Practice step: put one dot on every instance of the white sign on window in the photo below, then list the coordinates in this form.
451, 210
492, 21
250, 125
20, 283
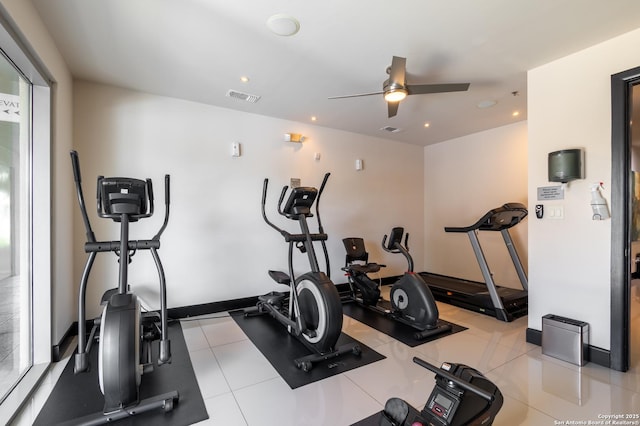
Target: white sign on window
9, 108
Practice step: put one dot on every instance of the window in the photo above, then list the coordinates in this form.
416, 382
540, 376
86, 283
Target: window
15, 226
25, 222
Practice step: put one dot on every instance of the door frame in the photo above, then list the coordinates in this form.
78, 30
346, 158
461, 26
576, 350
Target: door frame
621, 108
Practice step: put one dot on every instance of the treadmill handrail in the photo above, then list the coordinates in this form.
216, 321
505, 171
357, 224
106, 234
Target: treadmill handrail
497, 219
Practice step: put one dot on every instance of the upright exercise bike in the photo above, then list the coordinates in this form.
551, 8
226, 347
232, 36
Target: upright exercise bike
125, 333
411, 300
311, 309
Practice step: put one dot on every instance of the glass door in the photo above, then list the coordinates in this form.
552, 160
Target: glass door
15, 227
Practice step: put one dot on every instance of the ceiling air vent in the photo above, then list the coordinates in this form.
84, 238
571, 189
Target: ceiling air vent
243, 96
390, 129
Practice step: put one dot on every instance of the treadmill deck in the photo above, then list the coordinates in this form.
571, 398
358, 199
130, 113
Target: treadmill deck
474, 295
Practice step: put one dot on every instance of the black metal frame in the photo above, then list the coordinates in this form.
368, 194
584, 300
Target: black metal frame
621, 84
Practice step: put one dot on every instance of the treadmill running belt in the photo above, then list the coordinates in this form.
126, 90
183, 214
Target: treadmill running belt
474, 295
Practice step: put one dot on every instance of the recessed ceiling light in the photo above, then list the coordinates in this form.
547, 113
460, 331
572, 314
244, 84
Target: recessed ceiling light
427, 124
488, 103
515, 113
283, 25
244, 79
314, 118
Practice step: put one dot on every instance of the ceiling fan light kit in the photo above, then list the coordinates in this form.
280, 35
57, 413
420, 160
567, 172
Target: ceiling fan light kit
395, 95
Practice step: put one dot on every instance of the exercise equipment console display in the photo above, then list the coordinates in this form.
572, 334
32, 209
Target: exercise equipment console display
504, 303
125, 333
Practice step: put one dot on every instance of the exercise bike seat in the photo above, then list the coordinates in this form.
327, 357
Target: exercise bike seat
357, 253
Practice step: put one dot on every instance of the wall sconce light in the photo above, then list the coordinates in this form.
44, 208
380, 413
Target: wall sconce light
293, 137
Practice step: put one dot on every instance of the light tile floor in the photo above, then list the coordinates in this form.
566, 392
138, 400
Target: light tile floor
241, 388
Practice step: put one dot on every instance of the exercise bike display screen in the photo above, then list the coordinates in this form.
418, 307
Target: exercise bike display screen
440, 405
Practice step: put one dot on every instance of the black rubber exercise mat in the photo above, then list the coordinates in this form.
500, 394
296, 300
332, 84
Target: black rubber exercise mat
75, 396
281, 349
399, 331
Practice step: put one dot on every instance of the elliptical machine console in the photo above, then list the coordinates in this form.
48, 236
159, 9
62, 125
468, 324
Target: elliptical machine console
126, 334
462, 396
411, 300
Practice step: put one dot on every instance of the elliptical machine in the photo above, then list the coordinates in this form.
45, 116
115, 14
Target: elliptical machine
462, 396
411, 300
311, 309
125, 333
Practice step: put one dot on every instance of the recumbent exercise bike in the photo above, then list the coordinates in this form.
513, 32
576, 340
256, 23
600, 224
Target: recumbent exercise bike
311, 309
411, 300
125, 333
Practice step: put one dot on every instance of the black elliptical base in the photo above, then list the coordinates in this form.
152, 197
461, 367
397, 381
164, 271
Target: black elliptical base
306, 363
165, 401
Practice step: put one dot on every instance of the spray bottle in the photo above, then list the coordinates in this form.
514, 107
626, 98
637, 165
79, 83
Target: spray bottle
598, 203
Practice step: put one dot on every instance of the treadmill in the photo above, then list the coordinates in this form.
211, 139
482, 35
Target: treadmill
506, 304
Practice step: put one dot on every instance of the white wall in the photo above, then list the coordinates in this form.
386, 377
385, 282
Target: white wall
464, 178
569, 106
62, 281
217, 247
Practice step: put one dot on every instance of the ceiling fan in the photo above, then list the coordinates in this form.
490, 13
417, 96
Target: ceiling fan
395, 88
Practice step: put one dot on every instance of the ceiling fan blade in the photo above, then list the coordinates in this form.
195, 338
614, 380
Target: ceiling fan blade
397, 71
355, 96
421, 89
393, 108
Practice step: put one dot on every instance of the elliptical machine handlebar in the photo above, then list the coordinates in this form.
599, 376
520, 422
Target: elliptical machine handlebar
265, 185
395, 245
75, 164
324, 182
167, 202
